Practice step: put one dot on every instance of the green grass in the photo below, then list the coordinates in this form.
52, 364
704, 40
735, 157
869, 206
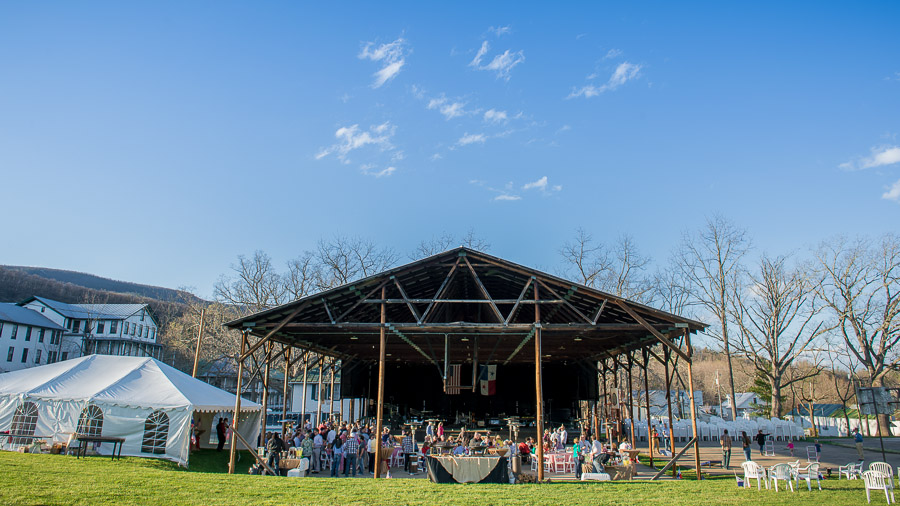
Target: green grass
53, 479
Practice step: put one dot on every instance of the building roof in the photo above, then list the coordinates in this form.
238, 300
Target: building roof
448, 305
745, 400
14, 313
825, 409
92, 311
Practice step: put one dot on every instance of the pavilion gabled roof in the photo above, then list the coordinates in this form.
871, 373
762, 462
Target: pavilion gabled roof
463, 302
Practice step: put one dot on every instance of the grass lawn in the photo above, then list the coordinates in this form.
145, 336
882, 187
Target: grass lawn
53, 479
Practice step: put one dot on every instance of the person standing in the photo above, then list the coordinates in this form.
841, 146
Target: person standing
408, 449
597, 455
318, 443
351, 453
563, 436
858, 439
429, 431
745, 443
221, 430
578, 457
275, 446
726, 449
337, 453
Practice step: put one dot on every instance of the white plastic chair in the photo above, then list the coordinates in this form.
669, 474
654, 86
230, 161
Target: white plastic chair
808, 473
875, 481
753, 470
781, 472
885, 469
851, 471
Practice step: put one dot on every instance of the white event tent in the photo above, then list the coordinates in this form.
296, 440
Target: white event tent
141, 399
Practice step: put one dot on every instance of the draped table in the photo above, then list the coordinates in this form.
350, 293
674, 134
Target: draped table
467, 469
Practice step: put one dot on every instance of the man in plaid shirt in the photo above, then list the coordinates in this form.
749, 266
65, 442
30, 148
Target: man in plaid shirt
408, 449
351, 453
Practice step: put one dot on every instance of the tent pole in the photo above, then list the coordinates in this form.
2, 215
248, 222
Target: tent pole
237, 404
539, 393
379, 409
647, 398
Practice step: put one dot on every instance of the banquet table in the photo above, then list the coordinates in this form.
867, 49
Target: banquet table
467, 469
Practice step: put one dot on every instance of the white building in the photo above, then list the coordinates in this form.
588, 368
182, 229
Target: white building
105, 329
27, 338
747, 403
343, 408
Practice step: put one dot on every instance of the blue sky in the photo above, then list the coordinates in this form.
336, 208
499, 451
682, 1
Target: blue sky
155, 142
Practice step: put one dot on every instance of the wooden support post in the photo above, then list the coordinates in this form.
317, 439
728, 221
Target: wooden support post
265, 393
237, 405
331, 394
379, 408
667, 356
604, 408
538, 384
647, 399
690, 353
199, 340
284, 394
305, 394
319, 392
631, 400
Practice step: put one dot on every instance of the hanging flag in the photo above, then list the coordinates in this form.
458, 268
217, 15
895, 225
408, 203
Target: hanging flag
452, 383
488, 379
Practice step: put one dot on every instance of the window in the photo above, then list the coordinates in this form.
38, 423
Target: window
153, 334
68, 324
37, 356
54, 337
1, 329
76, 326
142, 315
24, 355
28, 333
133, 328
51, 357
100, 327
113, 326
65, 355
9, 354
140, 331
156, 431
41, 335
15, 331
23, 423
90, 423
125, 326
42, 309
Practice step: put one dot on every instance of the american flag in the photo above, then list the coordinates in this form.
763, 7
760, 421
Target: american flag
452, 383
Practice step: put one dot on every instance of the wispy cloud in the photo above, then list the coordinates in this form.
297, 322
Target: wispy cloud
450, 109
468, 138
893, 193
352, 138
624, 72
372, 170
391, 55
612, 53
502, 64
543, 185
495, 116
882, 155
504, 196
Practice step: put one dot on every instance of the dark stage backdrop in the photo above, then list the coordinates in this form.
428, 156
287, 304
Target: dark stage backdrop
416, 386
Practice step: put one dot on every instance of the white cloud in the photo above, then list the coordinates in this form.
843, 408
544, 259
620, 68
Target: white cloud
369, 170
495, 116
883, 155
893, 192
468, 138
391, 55
352, 138
504, 196
502, 64
542, 185
448, 108
624, 72
612, 53
500, 31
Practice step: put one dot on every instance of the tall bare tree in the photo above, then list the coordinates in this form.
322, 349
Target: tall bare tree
255, 284
446, 241
710, 259
345, 259
860, 285
777, 324
620, 269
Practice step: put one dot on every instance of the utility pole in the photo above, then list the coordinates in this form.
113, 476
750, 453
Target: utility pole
199, 339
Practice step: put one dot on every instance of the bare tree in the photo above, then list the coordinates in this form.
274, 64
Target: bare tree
710, 260
446, 241
776, 320
301, 276
345, 259
841, 365
860, 285
254, 286
619, 270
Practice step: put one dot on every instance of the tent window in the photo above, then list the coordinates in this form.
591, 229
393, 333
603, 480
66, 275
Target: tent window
23, 423
90, 423
156, 431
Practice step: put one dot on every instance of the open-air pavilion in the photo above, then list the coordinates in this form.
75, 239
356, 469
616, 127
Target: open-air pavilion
466, 307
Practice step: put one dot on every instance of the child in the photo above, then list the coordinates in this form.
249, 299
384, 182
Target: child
790, 447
